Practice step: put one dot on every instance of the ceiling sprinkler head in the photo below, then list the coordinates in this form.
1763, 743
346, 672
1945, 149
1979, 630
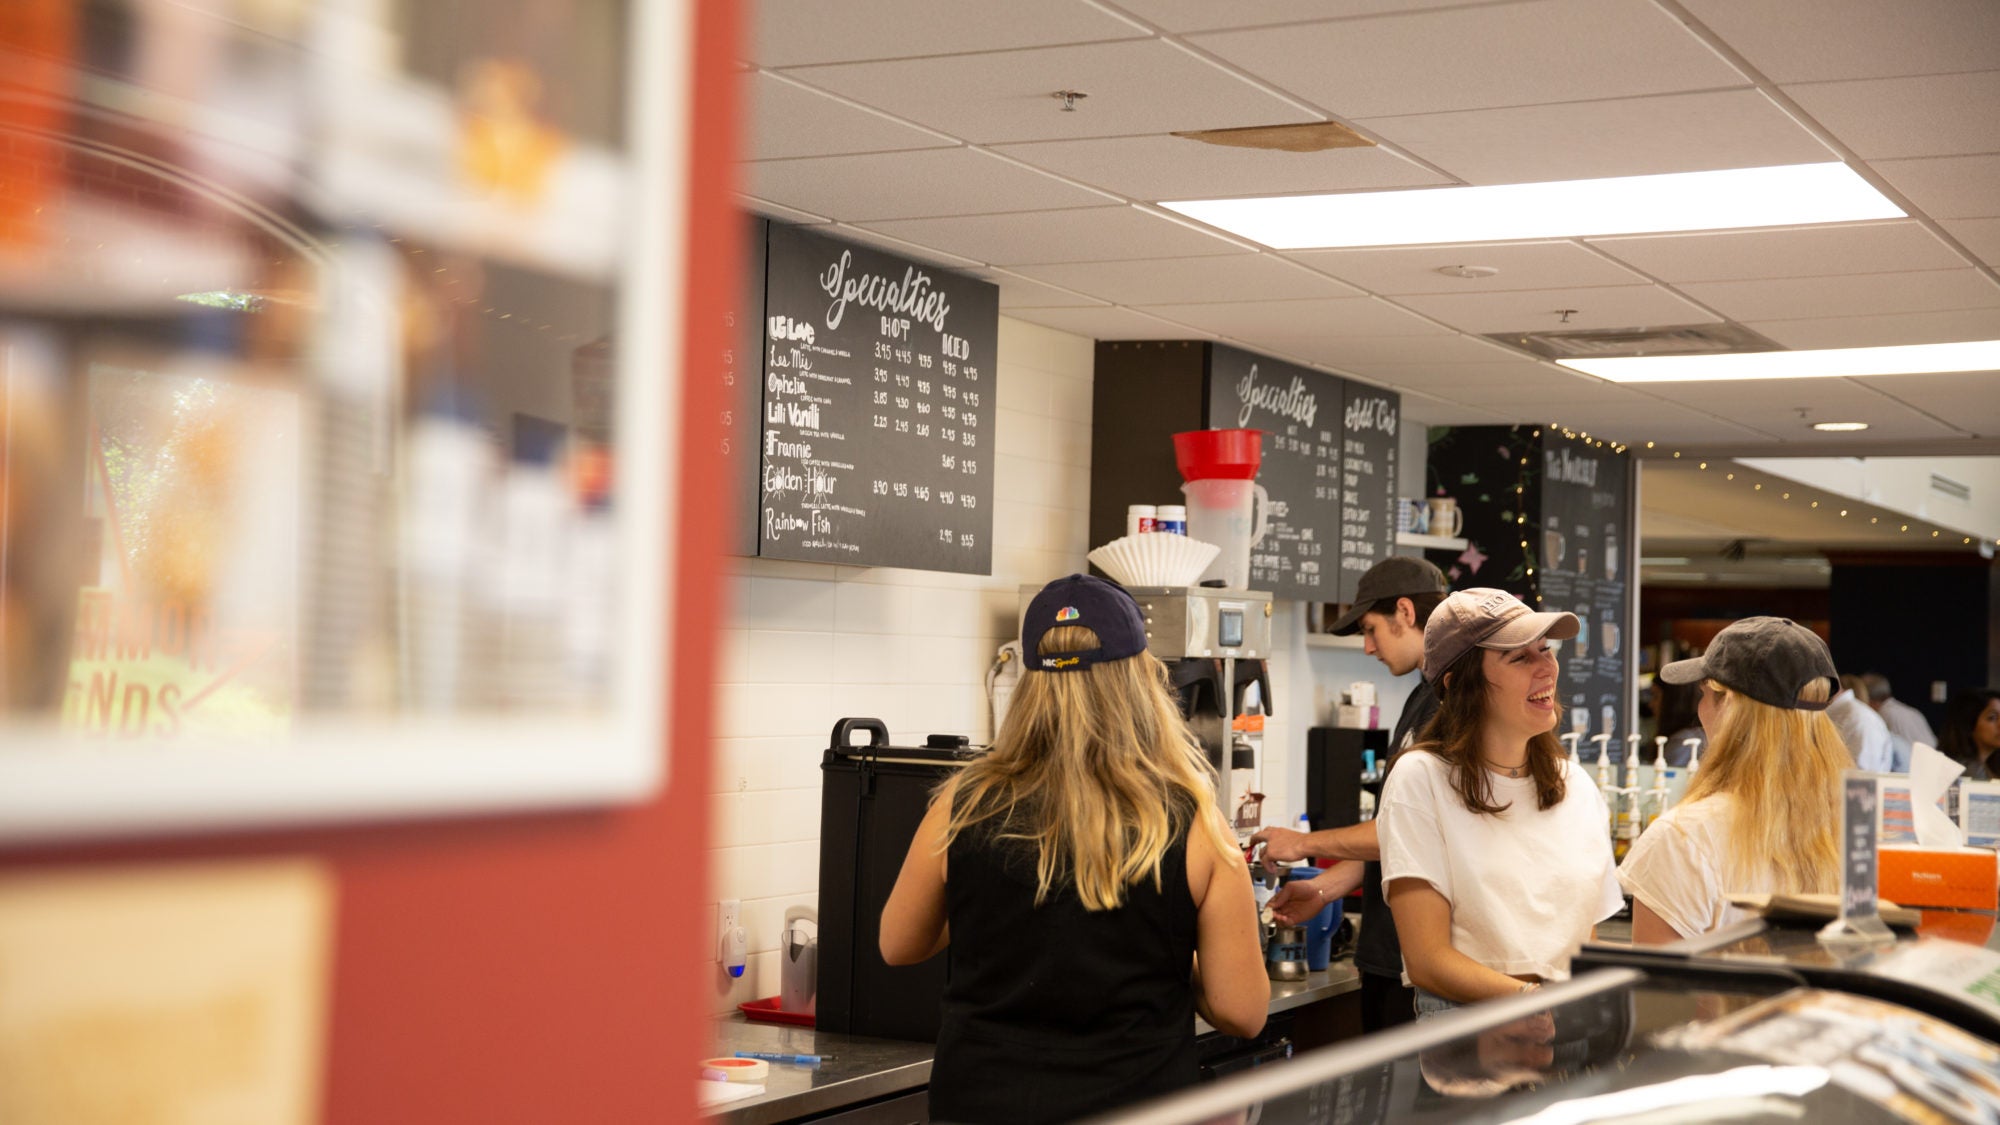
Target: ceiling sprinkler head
1473, 272
1069, 98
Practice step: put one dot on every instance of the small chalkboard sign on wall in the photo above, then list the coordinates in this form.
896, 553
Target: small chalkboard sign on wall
877, 419
1369, 418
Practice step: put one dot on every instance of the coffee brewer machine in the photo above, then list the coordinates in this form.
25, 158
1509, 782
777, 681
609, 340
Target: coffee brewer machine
1214, 643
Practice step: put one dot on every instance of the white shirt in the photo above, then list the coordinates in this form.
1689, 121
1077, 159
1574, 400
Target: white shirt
1525, 884
1866, 735
1907, 721
1677, 867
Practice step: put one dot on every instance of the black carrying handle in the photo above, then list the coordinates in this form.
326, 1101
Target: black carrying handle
878, 733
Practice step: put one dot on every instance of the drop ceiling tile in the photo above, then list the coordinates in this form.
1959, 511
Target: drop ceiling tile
772, 210
1948, 187
1826, 40
1165, 167
910, 185
1541, 310
786, 120
799, 32
1536, 390
989, 98
1493, 371
1856, 295
1093, 234
1881, 331
1425, 410
1665, 423
1161, 281
1296, 320
1886, 118
1108, 323
1619, 137
1970, 400
1523, 265
897, 246
1797, 252
1981, 236
1206, 15
1017, 292
1789, 407
1478, 58
1358, 353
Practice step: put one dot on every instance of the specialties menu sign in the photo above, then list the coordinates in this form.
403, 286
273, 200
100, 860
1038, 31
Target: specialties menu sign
1299, 411
1369, 417
1586, 537
878, 407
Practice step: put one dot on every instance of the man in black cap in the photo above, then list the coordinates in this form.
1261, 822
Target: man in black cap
1391, 606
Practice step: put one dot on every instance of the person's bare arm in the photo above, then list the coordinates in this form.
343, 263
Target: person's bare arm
1231, 988
1300, 899
914, 927
1355, 841
1648, 928
1423, 924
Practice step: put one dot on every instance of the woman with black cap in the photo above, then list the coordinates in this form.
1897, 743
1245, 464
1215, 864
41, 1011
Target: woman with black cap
1760, 815
1090, 893
1496, 851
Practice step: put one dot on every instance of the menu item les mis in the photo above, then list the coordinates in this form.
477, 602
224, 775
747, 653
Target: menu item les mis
876, 439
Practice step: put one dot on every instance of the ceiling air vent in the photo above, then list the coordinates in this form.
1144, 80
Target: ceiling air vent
1605, 343
1945, 486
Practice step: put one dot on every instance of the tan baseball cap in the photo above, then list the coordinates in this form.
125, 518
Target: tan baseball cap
1487, 618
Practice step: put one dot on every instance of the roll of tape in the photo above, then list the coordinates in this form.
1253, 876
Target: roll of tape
739, 1070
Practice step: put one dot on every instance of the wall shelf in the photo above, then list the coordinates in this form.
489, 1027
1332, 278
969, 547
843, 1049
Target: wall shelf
1429, 542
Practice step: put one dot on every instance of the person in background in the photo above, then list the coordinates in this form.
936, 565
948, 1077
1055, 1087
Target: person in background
1675, 705
1902, 718
1091, 895
1971, 733
1866, 735
1495, 849
1392, 603
1760, 815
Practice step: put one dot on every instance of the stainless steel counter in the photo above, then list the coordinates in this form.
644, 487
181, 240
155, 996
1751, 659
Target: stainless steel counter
861, 1069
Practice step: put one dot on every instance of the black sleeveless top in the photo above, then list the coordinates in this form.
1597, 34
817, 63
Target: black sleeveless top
1054, 1012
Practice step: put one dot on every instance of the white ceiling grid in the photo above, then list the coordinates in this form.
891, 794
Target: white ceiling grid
931, 127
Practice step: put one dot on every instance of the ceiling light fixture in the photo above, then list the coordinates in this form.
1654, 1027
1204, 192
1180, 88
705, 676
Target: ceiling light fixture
1787, 195
1818, 363
1839, 427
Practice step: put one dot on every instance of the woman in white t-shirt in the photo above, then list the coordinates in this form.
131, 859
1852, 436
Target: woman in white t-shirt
1761, 814
1496, 854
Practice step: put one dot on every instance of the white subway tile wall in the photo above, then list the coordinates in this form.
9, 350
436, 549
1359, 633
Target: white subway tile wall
806, 644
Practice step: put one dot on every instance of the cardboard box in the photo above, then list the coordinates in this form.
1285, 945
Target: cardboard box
1357, 718
1968, 878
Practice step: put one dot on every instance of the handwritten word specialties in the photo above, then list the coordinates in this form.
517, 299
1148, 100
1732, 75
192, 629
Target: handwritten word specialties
913, 296
1294, 402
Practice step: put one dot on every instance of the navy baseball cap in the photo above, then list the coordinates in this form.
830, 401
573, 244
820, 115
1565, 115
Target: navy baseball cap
1102, 607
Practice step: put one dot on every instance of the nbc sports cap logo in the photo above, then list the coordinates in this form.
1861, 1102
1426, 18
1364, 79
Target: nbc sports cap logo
1067, 613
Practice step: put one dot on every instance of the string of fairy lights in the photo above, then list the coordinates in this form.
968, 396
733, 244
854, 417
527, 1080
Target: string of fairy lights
1838, 508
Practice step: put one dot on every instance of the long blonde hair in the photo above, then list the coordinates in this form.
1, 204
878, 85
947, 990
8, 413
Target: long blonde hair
1097, 770
1783, 768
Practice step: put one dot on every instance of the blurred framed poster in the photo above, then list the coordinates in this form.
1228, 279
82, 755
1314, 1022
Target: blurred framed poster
332, 474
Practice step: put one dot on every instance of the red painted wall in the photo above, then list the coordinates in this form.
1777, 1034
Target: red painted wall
543, 968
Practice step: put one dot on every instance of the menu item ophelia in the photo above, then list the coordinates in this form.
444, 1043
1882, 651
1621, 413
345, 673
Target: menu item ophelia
877, 408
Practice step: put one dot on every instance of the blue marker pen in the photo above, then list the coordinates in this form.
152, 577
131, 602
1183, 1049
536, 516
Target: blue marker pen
773, 1056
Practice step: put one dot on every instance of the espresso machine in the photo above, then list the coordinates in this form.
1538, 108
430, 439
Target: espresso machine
1214, 642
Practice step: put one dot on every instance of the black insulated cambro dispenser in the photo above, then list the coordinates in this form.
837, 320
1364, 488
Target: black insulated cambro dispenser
872, 798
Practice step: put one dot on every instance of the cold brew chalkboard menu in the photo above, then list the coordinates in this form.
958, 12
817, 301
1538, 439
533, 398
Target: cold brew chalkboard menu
1299, 411
1586, 537
878, 409
1369, 417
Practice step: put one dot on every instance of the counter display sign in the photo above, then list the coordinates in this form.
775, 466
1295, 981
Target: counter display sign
1299, 411
1368, 422
877, 428
1586, 536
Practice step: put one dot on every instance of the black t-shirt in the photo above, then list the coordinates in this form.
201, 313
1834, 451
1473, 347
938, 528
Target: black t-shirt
1377, 950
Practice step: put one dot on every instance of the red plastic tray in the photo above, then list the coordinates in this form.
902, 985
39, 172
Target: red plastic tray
767, 1011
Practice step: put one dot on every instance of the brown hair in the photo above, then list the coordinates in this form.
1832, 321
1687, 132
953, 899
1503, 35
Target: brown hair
1422, 604
1453, 735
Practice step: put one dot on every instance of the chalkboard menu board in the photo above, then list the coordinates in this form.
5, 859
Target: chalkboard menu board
1586, 535
742, 376
1369, 417
1329, 466
878, 409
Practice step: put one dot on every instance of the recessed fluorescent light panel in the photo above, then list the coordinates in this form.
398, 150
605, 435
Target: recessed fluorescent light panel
1822, 363
1839, 427
1789, 195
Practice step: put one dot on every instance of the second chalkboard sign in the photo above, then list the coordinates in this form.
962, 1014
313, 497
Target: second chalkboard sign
878, 407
